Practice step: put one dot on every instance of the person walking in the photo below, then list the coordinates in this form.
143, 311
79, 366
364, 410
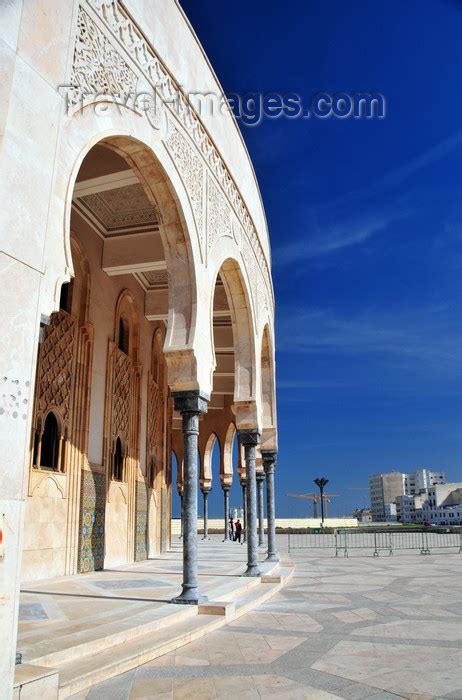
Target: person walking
237, 531
231, 529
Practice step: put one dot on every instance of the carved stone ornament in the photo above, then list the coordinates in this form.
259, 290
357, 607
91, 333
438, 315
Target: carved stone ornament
191, 169
121, 394
99, 66
56, 362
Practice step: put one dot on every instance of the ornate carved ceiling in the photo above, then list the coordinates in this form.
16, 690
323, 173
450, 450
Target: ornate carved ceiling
119, 210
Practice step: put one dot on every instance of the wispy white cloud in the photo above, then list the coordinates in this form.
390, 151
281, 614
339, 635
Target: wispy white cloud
331, 239
406, 171
427, 335
323, 239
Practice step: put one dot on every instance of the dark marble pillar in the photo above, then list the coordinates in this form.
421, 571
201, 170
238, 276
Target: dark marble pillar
180, 493
190, 404
243, 483
226, 510
260, 506
269, 465
250, 439
205, 495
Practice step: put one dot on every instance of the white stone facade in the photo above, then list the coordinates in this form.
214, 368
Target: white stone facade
155, 218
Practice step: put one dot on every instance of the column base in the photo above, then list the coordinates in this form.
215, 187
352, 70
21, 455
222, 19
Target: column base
190, 597
272, 557
252, 571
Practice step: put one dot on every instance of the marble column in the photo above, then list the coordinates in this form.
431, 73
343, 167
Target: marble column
244, 507
226, 510
269, 465
261, 515
180, 493
205, 494
250, 439
190, 404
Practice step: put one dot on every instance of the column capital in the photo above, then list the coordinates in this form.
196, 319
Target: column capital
206, 489
194, 401
260, 476
249, 436
226, 487
269, 460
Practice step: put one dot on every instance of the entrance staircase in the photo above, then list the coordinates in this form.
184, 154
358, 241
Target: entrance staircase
75, 658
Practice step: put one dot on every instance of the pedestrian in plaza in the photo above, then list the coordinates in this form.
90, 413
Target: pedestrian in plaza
237, 531
231, 529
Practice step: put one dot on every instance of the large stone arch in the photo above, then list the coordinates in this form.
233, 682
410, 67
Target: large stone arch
130, 136
243, 324
268, 393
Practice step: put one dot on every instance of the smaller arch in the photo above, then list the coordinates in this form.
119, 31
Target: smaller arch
123, 337
118, 460
127, 325
206, 462
227, 457
240, 306
49, 451
267, 381
65, 297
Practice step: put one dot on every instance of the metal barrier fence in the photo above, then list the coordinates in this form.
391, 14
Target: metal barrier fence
387, 542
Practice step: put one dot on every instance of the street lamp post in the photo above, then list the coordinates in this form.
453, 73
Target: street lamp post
321, 483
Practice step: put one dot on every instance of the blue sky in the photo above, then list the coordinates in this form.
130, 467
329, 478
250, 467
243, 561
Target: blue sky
365, 219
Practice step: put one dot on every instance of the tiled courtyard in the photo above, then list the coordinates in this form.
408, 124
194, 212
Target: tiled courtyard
361, 627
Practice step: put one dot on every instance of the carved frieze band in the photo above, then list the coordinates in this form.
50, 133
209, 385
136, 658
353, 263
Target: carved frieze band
99, 67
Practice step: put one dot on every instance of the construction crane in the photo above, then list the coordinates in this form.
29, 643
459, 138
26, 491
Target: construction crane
315, 497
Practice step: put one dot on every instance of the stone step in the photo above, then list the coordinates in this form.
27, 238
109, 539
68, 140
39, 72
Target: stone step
81, 673
35, 682
86, 641
62, 626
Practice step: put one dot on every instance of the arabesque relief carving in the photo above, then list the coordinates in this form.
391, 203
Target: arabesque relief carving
98, 67
93, 49
121, 395
56, 361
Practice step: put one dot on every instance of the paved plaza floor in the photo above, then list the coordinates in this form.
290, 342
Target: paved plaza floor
361, 627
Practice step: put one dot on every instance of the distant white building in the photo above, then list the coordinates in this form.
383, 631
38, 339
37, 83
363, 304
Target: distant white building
421, 480
440, 505
384, 489
388, 492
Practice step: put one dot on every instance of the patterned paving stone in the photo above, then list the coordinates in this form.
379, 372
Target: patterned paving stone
361, 627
